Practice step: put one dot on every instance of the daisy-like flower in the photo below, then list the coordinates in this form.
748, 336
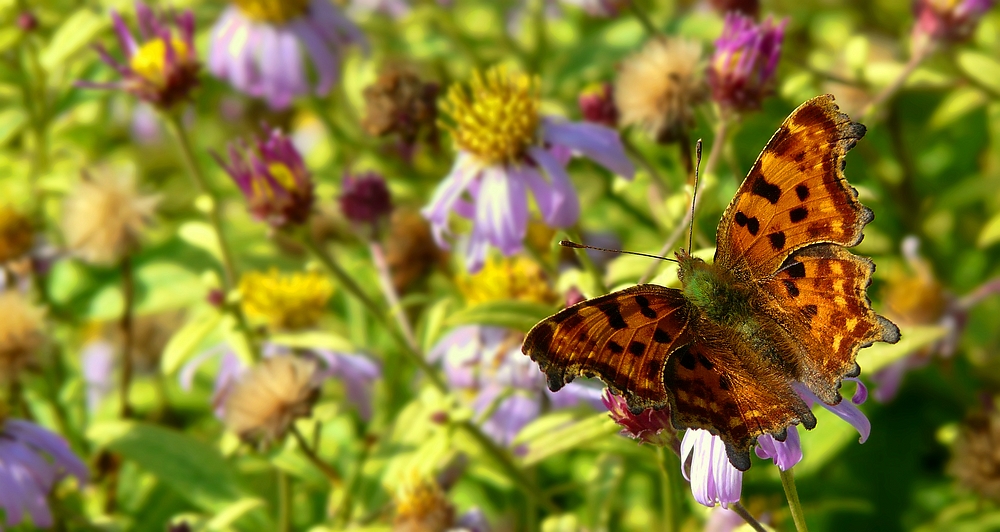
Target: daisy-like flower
161, 70
17, 234
273, 178
105, 215
286, 301
507, 148
715, 480
32, 461
22, 334
746, 57
486, 362
947, 20
658, 87
257, 46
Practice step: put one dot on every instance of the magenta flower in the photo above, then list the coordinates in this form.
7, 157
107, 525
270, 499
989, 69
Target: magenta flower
32, 461
161, 70
258, 45
506, 148
947, 20
364, 199
746, 57
597, 105
273, 178
650, 426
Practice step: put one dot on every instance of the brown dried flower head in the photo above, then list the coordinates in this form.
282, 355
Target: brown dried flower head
269, 397
104, 217
17, 234
400, 102
421, 506
410, 249
976, 455
22, 334
658, 87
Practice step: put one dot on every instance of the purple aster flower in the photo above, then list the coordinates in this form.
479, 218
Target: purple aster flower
32, 461
257, 47
947, 20
487, 362
273, 178
507, 149
714, 479
746, 57
163, 69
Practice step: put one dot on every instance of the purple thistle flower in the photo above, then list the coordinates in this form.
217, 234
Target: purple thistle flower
32, 461
163, 69
597, 105
507, 149
273, 178
365, 199
746, 57
257, 47
947, 20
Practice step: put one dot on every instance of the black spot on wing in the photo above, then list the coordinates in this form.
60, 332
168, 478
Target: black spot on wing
661, 336
793, 290
615, 347
796, 270
777, 240
613, 313
768, 191
809, 311
644, 307
637, 348
686, 358
802, 192
798, 214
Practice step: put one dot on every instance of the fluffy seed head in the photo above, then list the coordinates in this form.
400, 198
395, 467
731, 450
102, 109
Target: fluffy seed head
658, 87
104, 217
22, 334
269, 397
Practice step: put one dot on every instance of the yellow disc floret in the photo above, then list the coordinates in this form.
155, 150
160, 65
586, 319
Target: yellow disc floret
497, 118
286, 301
272, 11
16, 234
517, 278
149, 61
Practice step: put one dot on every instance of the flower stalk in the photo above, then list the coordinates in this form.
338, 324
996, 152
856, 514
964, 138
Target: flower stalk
788, 482
669, 466
389, 290
328, 471
126, 325
747, 516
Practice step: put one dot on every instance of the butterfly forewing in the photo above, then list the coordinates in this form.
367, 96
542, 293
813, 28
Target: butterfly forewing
795, 194
623, 338
820, 295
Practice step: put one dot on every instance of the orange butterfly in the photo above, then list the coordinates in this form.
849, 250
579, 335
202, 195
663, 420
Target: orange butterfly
783, 302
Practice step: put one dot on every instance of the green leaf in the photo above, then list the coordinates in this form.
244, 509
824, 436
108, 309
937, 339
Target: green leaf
11, 122
201, 235
553, 434
76, 32
983, 68
194, 469
516, 315
187, 339
955, 105
911, 339
314, 339
225, 519
990, 233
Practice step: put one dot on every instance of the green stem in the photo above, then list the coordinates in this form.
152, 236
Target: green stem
342, 515
229, 271
328, 471
788, 482
918, 57
643, 19
669, 467
588, 265
389, 290
348, 283
747, 516
128, 303
507, 463
284, 502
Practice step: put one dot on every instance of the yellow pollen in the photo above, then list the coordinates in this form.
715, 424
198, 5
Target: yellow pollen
286, 301
502, 279
273, 11
149, 61
497, 118
727, 64
282, 174
16, 234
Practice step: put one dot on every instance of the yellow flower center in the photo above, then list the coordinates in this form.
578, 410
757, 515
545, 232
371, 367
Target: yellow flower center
273, 11
286, 301
497, 119
149, 61
502, 279
16, 234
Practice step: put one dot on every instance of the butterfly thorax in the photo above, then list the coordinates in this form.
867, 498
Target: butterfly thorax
716, 293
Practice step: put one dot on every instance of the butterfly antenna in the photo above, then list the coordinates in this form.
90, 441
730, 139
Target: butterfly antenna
694, 194
574, 245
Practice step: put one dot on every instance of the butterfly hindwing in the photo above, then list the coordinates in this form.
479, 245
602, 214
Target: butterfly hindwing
820, 297
624, 338
795, 194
